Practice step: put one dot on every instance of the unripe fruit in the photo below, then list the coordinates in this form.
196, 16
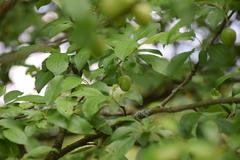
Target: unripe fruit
125, 82
142, 13
228, 37
98, 46
114, 8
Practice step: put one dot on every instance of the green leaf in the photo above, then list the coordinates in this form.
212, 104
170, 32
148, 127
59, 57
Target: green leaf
57, 26
124, 46
93, 104
57, 63
41, 3
53, 89
176, 63
32, 99
15, 135
11, 95
134, 95
65, 106
101, 125
2, 90
39, 152
57, 119
156, 51
158, 64
81, 58
42, 78
70, 83
187, 123
79, 125
117, 149
86, 92
226, 77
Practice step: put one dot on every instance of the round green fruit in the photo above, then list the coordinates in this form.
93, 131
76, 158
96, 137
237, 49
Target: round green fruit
125, 82
142, 13
114, 8
98, 46
228, 37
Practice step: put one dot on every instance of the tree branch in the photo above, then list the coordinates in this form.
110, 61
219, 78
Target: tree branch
194, 70
57, 145
5, 7
146, 113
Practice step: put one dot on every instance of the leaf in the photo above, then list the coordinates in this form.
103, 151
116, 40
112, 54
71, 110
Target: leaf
53, 89
86, 92
39, 152
176, 63
11, 95
93, 104
81, 58
57, 26
2, 89
65, 106
134, 95
42, 78
32, 99
187, 122
41, 3
70, 83
124, 46
57, 63
225, 77
79, 125
156, 51
57, 119
101, 125
117, 149
15, 135
158, 64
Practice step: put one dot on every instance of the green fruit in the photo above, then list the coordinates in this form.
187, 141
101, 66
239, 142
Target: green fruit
114, 8
125, 82
98, 46
142, 13
228, 37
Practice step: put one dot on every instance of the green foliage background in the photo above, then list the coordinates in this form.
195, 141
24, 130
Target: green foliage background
183, 108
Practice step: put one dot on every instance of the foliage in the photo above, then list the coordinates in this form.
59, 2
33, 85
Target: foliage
114, 92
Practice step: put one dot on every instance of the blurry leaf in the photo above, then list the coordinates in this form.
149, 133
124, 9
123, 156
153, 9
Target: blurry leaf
57, 26
93, 104
79, 125
158, 64
156, 51
134, 95
15, 135
70, 82
65, 106
176, 63
101, 125
42, 78
57, 119
187, 123
2, 90
32, 98
81, 58
57, 63
53, 89
41, 3
124, 46
225, 77
39, 152
11, 95
117, 149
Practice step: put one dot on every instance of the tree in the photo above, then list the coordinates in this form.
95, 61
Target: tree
113, 91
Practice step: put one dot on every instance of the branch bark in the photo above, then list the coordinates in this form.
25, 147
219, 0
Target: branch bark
146, 113
5, 7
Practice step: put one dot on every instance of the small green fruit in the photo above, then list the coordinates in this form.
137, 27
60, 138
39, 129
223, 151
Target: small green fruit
228, 37
142, 13
114, 8
98, 46
125, 82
